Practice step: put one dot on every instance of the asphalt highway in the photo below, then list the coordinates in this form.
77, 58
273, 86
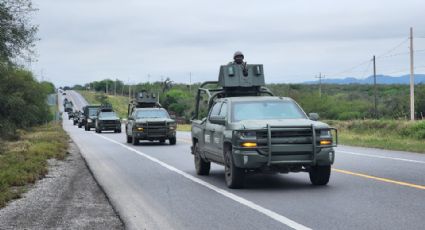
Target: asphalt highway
154, 186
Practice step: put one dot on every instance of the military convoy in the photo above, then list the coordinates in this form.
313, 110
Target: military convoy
249, 130
147, 120
237, 123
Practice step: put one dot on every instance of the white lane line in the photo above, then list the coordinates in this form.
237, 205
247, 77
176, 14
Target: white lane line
284, 220
382, 157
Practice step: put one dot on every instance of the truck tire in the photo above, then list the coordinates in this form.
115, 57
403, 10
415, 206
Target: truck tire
134, 140
86, 127
79, 125
319, 175
173, 141
234, 176
202, 167
129, 139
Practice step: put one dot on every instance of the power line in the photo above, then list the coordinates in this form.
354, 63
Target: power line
351, 68
393, 49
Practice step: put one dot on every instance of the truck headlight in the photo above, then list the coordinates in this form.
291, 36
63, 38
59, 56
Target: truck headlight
247, 134
325, 133
140, 129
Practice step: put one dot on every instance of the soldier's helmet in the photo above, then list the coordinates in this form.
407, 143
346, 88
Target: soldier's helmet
238, 57
238, 54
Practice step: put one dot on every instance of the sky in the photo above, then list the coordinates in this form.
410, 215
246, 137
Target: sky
139, 41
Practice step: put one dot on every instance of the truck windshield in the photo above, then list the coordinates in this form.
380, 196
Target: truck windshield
265, 110
107, 115
151, 114
92, 112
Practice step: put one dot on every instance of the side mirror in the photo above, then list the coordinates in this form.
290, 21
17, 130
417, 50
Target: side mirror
219, 120
173, 117
313, 116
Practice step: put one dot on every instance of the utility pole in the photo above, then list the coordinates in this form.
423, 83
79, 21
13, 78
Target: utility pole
106, 87
374, 88
149, 77
115, 87
320, 83
412, 79
190, 82
129, 91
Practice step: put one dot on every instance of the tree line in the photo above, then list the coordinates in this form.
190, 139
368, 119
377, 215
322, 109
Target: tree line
337, 102
22, 98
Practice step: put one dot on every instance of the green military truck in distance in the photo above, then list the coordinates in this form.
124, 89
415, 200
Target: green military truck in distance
248, 130
107, 120
147, 120
89, 116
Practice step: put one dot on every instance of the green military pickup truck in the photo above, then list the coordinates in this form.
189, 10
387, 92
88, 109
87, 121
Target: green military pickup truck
147, 120
248, 130
107, 120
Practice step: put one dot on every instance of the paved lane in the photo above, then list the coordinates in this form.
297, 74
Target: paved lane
148, 194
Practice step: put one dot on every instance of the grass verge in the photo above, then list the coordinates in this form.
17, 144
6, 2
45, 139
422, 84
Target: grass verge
184, 127
384, 134
119, 103
24, 161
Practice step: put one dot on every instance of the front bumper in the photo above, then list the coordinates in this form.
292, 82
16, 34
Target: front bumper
251, 159
146, 135
107, 127
274, 152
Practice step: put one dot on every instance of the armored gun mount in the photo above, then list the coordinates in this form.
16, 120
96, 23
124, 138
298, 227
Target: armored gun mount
234, 80
143, 100
105, 108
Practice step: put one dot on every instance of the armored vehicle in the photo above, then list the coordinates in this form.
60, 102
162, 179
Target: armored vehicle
107, 119
147, 120
75, 117
89, 116
249, 130
68, 106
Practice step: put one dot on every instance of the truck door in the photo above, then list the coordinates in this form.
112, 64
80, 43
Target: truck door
131, 121
210, 129
218, 134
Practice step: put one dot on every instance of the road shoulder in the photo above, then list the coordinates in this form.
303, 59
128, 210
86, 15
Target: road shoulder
68, 198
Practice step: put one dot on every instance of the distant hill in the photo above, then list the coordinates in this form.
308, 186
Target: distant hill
380, 79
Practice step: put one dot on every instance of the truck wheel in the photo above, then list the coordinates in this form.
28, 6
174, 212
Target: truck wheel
134, 140
86, 128
173, 141
319, 175
233, 175
79, 125
129, 139
202, 167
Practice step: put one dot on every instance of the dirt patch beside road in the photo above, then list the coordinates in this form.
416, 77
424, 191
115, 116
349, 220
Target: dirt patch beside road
68, 198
